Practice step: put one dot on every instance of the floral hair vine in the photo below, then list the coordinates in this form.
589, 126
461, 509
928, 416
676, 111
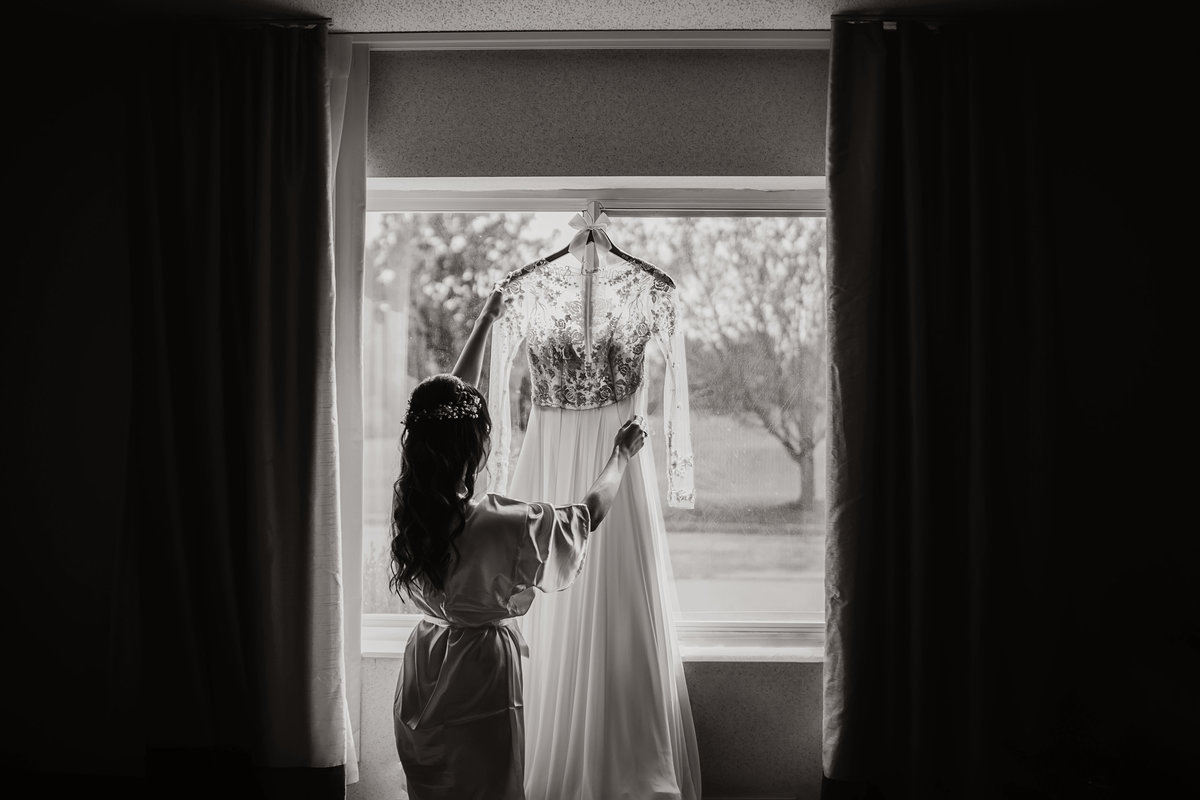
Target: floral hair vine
466, 405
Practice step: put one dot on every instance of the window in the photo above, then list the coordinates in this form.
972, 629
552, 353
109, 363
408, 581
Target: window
752, 300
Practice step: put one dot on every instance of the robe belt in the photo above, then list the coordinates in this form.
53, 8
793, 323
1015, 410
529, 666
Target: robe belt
508, 622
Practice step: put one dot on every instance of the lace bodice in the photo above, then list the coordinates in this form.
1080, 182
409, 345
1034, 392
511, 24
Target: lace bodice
631, 304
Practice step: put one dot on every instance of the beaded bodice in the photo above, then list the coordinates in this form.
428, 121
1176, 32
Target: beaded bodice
632, 304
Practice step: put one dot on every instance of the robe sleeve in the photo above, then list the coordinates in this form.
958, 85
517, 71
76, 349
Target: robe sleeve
507, 335
677, 423
551, 552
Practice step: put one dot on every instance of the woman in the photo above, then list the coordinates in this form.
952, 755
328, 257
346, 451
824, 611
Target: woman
472, 567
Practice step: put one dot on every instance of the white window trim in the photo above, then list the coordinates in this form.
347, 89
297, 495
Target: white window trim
729, 637
721, 195
596, 40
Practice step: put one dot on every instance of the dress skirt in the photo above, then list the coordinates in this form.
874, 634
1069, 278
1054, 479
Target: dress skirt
607, 715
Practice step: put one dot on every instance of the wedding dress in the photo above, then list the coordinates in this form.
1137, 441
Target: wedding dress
606, 704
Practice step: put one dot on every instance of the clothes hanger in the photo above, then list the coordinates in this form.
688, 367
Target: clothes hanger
589, 223
593, 211
591, 239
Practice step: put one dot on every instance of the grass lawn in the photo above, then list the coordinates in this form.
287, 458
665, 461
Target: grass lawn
745, 481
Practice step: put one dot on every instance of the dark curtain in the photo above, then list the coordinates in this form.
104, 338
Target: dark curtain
170, 274
232, 298
71, 666
1010, 604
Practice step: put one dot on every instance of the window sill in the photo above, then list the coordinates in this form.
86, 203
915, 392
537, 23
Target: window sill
733, 639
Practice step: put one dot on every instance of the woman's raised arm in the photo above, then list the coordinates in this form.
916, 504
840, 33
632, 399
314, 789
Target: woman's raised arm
470, 360
627, 443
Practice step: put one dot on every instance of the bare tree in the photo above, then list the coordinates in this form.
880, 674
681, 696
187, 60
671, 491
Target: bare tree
753, 298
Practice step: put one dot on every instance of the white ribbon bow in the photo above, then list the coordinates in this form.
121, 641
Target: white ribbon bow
600, 243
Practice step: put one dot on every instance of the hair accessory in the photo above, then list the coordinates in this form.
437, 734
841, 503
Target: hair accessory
466, 405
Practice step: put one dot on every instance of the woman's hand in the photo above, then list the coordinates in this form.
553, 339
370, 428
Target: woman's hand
626, 444
630, 437
495, 306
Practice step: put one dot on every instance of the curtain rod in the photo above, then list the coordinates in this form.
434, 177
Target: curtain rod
167, 17
298, 22
977, 13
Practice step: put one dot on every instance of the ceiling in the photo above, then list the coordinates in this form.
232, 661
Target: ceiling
379, 16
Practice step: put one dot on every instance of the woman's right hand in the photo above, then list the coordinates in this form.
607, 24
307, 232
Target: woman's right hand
495, 305
630, 437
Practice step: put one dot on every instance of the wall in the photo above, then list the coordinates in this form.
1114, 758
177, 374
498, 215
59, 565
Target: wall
758, 728
597, 112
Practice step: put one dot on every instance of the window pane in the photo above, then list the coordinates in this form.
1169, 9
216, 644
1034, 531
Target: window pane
752, 301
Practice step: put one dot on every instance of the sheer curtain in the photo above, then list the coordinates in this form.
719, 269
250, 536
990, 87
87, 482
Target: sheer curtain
348, 89
1001, 247
235, 463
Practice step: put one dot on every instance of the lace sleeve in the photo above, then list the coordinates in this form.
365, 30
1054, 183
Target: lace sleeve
677, 424
507, 333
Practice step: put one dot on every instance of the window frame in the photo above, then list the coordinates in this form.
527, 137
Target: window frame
750, 636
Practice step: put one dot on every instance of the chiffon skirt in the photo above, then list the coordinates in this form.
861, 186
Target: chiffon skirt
607, 715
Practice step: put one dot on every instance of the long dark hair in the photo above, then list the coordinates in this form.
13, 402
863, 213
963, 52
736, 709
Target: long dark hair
447, 432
